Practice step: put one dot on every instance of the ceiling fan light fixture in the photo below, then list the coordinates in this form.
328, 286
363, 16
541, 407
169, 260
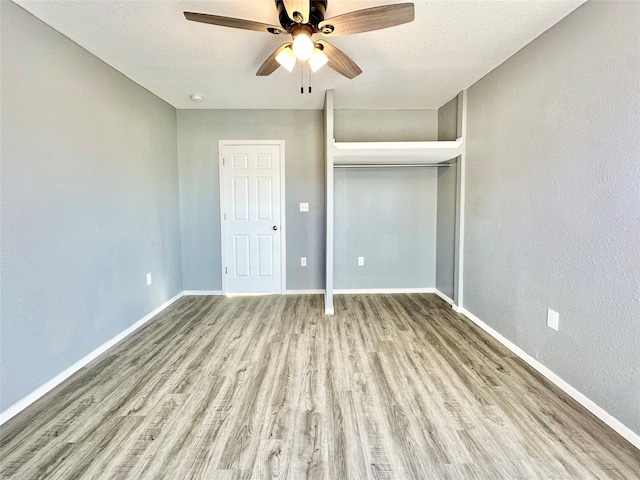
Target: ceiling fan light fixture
302, 45
317, 59
286, 58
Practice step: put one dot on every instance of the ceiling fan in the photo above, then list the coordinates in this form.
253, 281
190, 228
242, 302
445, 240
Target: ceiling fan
304, 18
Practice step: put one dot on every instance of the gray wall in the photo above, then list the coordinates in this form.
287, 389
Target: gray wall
385, 125
448, 120
446, 218
89, 203
553, 202
446, 229
386, 215
198, 135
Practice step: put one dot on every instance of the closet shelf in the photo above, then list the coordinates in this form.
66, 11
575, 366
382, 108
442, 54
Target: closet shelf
395, 152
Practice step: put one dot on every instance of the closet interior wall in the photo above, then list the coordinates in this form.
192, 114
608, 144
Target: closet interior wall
387, 216
382, 223
449, 128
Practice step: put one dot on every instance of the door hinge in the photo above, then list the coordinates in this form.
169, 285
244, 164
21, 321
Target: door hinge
225, 216
225, 270
223, 161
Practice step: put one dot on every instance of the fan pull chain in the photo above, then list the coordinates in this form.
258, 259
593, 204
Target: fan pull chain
302, 77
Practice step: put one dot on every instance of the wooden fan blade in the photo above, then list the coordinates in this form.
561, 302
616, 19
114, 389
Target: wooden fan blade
270, 65
339, 61
232, 22
297, 6
369, 19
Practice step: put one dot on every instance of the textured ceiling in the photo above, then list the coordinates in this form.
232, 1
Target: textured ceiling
423, 64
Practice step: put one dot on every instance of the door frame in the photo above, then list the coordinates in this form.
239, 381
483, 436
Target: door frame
222, 144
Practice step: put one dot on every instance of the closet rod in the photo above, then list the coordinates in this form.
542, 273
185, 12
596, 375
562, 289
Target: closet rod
389, 165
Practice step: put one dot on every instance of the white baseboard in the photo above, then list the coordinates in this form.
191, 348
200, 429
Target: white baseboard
20, 405
311, 291
201, 292
356, 291
445, 298
582, 399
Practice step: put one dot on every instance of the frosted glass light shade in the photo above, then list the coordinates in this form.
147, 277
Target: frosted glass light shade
286, 58
303, 45
317, 59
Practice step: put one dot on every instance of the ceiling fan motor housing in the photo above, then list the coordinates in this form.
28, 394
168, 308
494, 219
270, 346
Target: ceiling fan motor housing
317, 11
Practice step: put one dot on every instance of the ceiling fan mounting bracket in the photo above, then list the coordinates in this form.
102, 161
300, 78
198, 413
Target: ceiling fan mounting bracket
317, 9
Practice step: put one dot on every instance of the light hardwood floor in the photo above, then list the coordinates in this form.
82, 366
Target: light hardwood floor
392, 386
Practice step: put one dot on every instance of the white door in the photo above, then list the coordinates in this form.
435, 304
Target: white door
251, 216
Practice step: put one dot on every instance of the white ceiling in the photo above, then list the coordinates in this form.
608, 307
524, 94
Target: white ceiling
449, 46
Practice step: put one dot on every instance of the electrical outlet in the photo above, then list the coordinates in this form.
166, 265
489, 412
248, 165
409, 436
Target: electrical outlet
304, 207
553, 319
303, 261
148, 279
360, 261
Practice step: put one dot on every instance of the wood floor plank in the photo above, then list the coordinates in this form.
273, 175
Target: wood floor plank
372, 436
309, 447
391, 386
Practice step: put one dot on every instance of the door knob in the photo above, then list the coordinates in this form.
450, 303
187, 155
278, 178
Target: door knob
275, 227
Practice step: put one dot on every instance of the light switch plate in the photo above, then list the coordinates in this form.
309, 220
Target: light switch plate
148, 279
360, 261
303, 261
553, 319
304, 207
